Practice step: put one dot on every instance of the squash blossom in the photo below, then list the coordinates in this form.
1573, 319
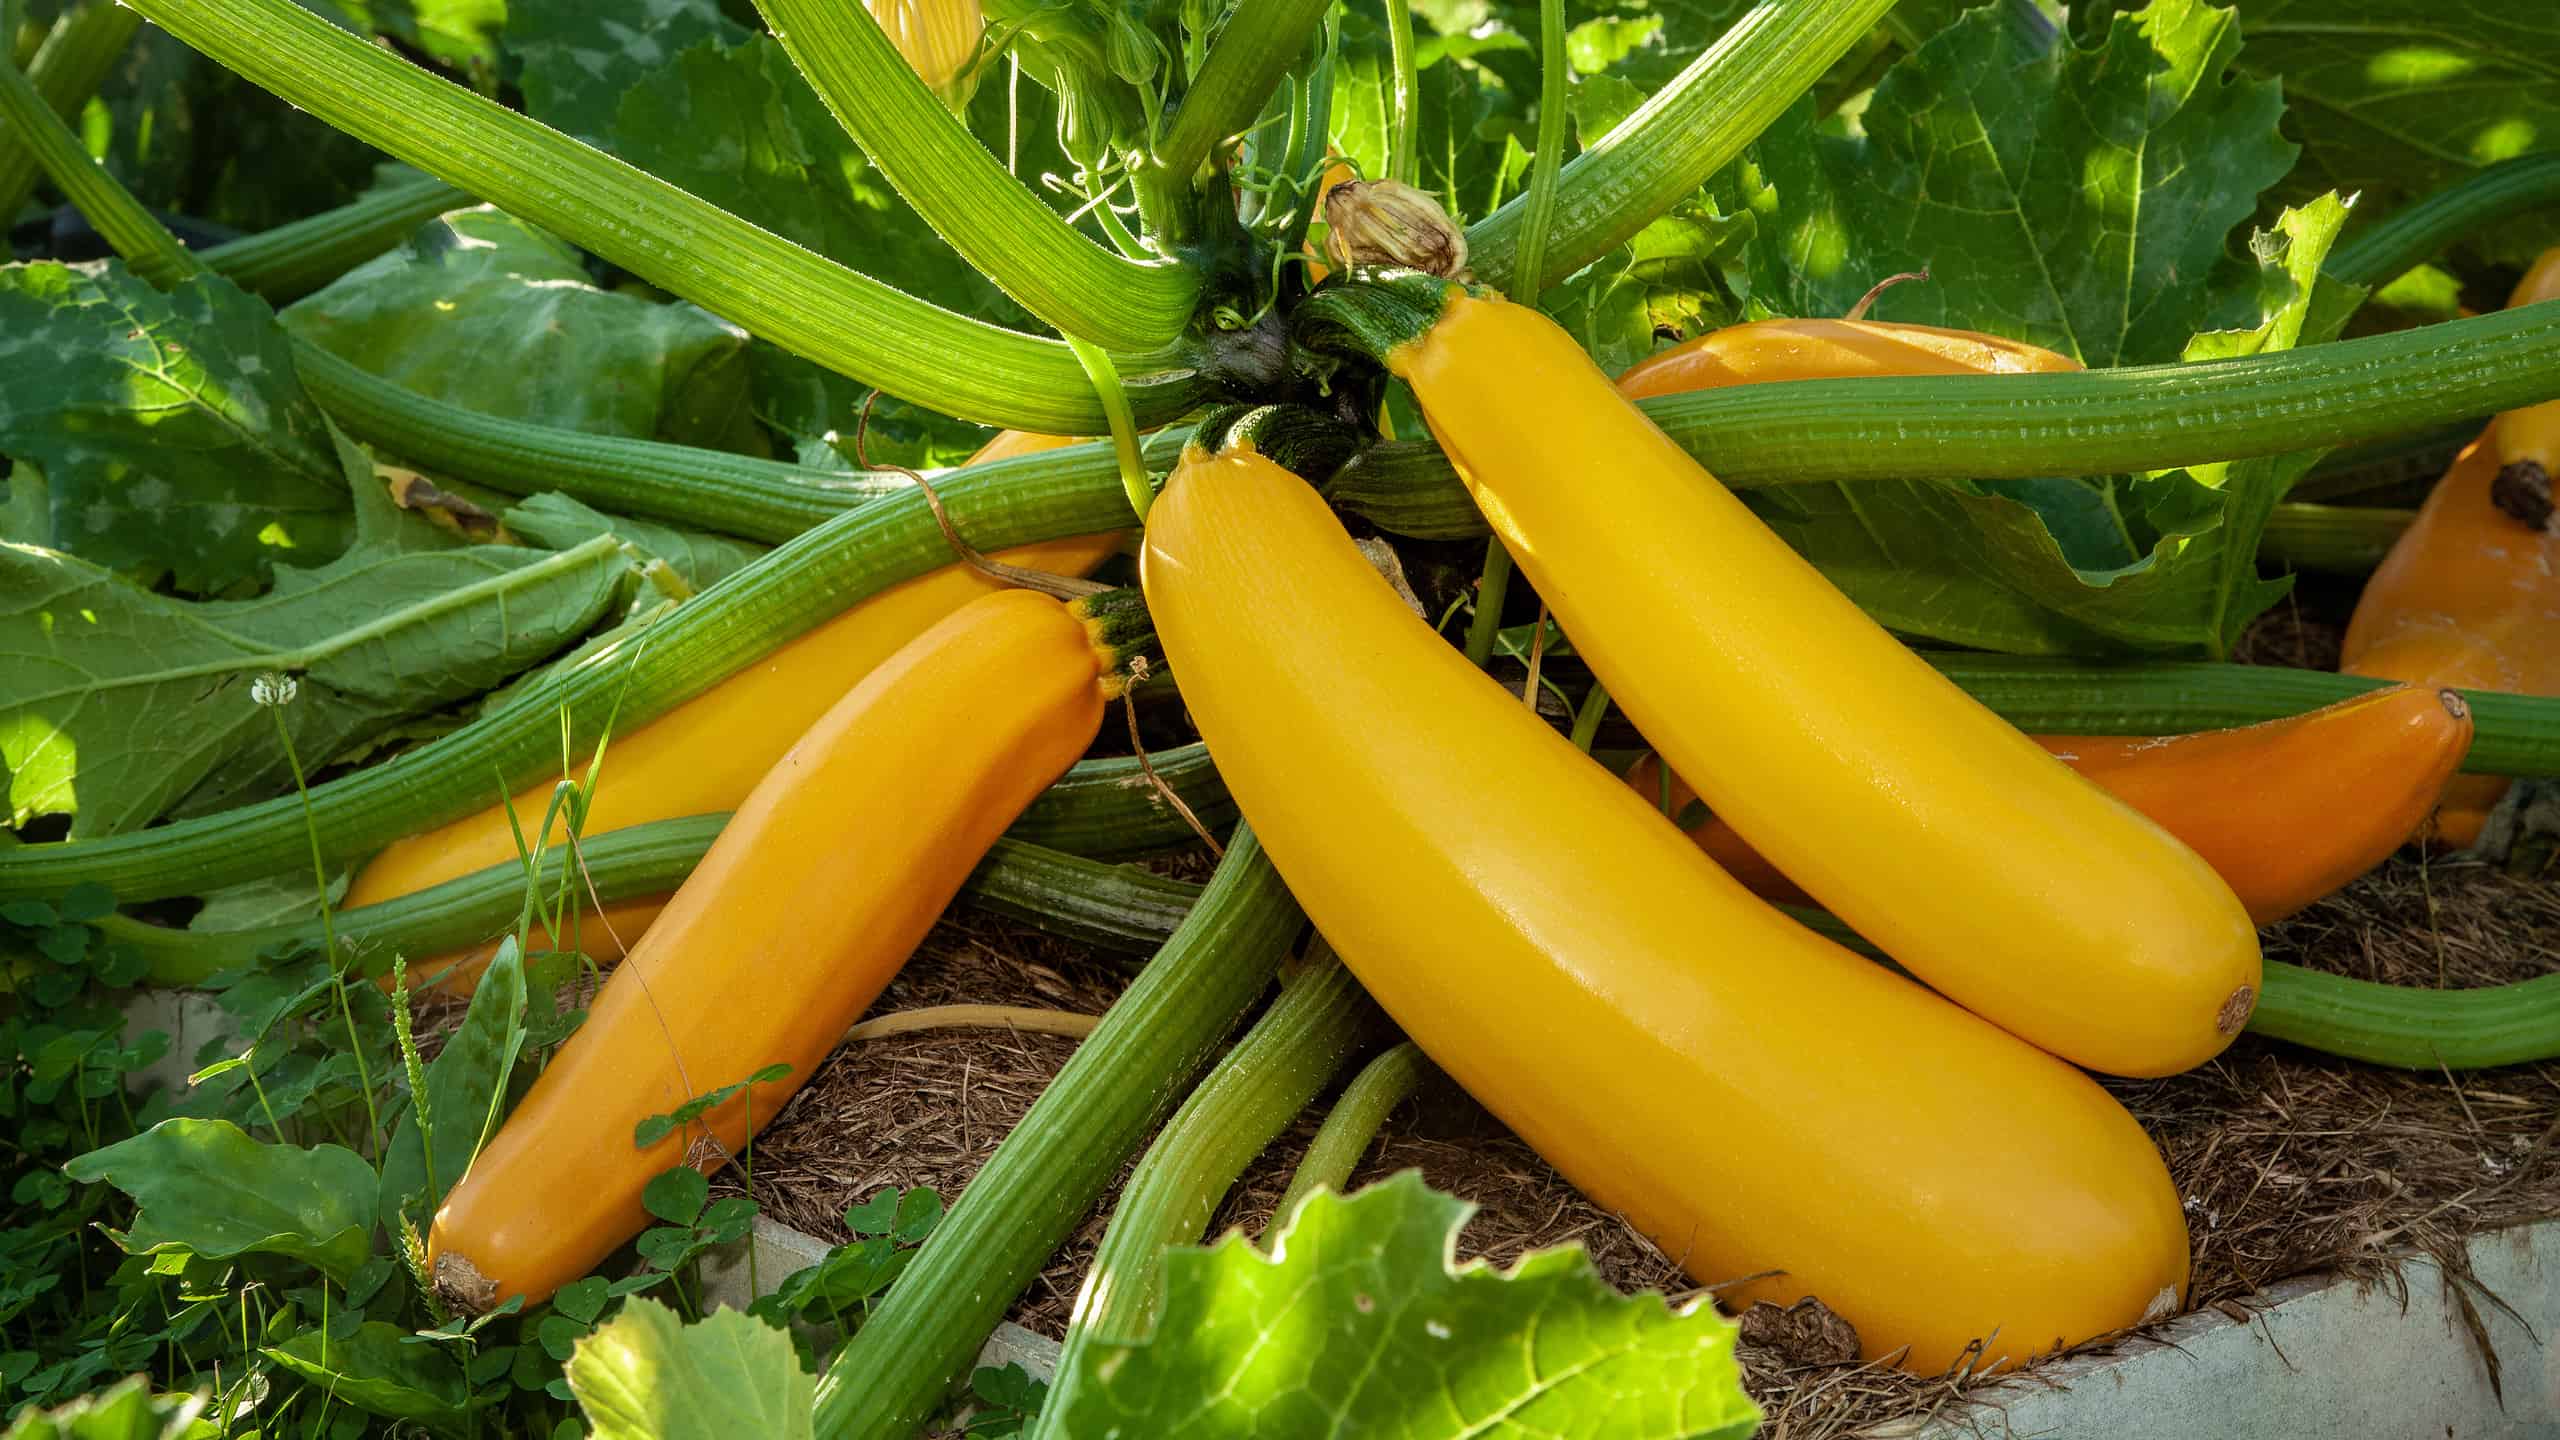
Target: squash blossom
939, 38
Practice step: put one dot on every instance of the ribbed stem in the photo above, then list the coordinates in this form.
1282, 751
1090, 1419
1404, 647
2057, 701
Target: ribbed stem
1273, 1073
1107, 808
1261, 40
1111, 907
2100, 422
2330, 539
814, 576
1404, 110
2418, 457
67, 69
801, 301
293, 260
146, 244
1529, 273
1689, 130
996, 224
1029, 1196
1386, 1082
2511, 734
2417, 232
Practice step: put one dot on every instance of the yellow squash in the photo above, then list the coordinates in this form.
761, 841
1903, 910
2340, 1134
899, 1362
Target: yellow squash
1949, 839
1749, 1094
833, 868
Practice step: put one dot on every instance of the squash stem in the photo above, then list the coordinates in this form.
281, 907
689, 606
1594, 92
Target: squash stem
2330, 539
1685, 133
892, 1375
1271, 1075
294, 259
1528, 267
961, 189
1404, 113
1387, 1081
2418, 231
1261, 41
83, 45
1124, 430
1493, 587
794, 297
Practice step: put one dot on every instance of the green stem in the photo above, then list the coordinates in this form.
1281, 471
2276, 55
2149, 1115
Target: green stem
1124, 429
1588, 715
329, 952
67, 69
1261, 41
799, 300
1689, 130
894, 1373
997, 225
2415, 458
1271, 1075
808, 579
2330, 539
1493, 587
146, 244
293, 260
1528, 266
2405, 1026
2418, 231
2099, 422
1404, 113
1386, 1082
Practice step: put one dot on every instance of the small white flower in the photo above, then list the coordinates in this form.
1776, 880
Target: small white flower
274, 688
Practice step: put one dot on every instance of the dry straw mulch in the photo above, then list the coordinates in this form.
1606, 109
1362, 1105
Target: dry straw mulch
2290, 1162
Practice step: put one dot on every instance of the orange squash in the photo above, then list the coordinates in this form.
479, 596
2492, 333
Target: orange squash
834, 866
2286, 812
1766, 350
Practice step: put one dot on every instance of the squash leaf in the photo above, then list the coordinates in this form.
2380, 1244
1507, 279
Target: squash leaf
168, 435
482, 310
646, 1375
119, 706
1358, 1324
377, 1371
204, 1188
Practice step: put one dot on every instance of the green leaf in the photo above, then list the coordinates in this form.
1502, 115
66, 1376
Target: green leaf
1358, 1324
484, 311
126, 1410
119, 706
461, 33
2395, 99
171, 435
256, 904
373, 1371
579, 59
2079, 198
676, 1196
554, 520
466, 1085
648, 1376
207, 1189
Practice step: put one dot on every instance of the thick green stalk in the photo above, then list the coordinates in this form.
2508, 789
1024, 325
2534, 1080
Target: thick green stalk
1528, 267
996, 224
2420, 456
1105, 808
1386, 1082
2099, 422
2399, 1025
2330, 539
1690, 129
1404, 110
1261, 40
1113, 907
891, 1377
800, 300
1272, 1074
814, 576
67, 69
293, 260
146, 244
2420, 230
2511, 734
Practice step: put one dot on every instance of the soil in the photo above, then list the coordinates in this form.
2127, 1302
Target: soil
2289, 1161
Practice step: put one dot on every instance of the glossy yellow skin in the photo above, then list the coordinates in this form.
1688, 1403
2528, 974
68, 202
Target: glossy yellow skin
2533, 433
705, 755
1829, 350
1978, 861
1010, 443
804, 908
1746, 1092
